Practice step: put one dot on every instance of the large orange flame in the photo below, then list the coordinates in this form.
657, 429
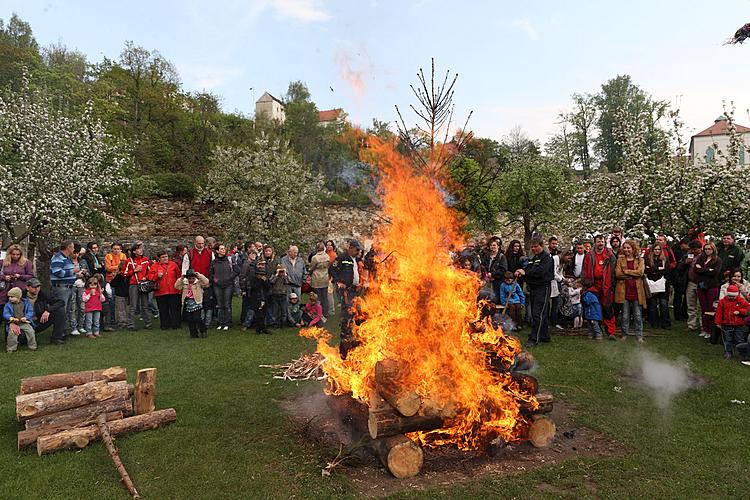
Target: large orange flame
422, 311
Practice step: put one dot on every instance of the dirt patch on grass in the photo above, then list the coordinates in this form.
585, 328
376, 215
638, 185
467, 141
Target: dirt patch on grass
315, 425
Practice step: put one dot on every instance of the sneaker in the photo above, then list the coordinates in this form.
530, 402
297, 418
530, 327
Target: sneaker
727, 355
82, 331
746, 362
559, 327
219, 327
75, 332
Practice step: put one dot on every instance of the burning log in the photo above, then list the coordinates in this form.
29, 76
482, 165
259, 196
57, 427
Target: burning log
62, 380
542, 431
29, 437
145, 391
546, 403
350, 411
399, 455
384, 421
403, 399
56, 400
81, 437
103, 428
526, 383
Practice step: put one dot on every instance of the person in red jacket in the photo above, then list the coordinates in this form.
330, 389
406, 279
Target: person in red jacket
599, 267
729, 317
136, 271
164, 272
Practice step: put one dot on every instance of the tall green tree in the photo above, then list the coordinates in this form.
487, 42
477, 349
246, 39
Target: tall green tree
19, 52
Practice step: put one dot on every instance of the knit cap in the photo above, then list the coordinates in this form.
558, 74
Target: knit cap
732, 291
15, 292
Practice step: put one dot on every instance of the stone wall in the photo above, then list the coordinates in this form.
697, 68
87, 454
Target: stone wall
164, 223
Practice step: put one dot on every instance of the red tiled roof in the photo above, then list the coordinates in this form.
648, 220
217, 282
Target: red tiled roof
329, 115
720, 128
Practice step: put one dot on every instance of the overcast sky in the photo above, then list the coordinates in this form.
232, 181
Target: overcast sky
518, 62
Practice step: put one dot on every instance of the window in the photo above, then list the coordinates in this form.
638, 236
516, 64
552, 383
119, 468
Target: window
742, 155
709, 155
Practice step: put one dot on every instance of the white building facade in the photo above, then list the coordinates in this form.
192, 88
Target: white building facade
271, 107
705, 145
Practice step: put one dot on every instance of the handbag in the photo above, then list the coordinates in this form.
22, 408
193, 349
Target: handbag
147, 286
658, 286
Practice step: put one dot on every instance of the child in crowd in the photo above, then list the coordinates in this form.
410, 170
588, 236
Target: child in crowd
93, 298
313, 312
192, 285
279, 282
592, 309
18, 313
511, 293
574, 294
294, 311
729, 317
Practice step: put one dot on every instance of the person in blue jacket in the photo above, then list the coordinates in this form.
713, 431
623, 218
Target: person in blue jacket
592, 309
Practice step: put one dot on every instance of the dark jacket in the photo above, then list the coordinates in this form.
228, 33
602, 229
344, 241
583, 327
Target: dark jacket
259, 289
540, 269
342, 269
659, 269
222, 272
731, 257
495, 268
92, 261
708, 275
45, 302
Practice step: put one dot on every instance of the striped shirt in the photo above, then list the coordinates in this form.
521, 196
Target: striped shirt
61, 270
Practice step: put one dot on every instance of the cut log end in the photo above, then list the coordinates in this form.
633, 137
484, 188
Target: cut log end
542, 432
400, 456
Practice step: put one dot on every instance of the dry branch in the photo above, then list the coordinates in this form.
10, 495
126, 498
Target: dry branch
113, 453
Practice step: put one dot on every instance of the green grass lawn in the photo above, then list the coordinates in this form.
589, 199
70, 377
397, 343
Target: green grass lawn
231, 439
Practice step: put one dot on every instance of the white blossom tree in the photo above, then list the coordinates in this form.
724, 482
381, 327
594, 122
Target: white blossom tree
267, 191
661, 189
58, 174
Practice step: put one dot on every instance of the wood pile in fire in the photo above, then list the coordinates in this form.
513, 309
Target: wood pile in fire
394, 412
70, 410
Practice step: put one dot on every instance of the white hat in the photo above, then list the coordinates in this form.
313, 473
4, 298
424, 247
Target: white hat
293, 296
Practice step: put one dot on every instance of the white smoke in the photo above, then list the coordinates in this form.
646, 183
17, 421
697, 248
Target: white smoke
663, 378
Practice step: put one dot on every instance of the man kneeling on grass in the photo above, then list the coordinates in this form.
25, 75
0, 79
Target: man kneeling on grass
18, 313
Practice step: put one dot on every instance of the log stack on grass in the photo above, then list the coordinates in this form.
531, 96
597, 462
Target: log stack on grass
70, 410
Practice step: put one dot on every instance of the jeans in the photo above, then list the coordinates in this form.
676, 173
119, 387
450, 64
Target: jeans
658, 311
707, 297
77, 310
693, 314
64, 293
733, 335
322, 294
631, 307
554, 308
224, 304
277, 310
138, 300
595, 331
92, 322
122, 312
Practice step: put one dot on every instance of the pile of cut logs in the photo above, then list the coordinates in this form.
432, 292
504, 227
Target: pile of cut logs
70, 410
395, 411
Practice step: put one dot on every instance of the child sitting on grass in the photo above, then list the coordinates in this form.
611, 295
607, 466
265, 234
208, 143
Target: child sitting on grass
294, 311
592, 309
729, 317
313, 312
18, 313
511, 293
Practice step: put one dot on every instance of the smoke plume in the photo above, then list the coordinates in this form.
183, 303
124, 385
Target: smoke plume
663, 378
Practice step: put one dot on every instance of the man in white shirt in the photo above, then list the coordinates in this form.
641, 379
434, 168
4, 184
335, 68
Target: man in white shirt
578, 260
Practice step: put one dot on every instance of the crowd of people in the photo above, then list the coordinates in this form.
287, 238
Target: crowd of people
612, 280
599, 283
124, 289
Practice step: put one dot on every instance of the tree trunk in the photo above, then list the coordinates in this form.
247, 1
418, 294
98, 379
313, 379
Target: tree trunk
43, 258
115, 455
542, 431
60, 380
387, 375
399, 455
28, 437
45, 403
76, 415
385, 421
80, 438
145, 391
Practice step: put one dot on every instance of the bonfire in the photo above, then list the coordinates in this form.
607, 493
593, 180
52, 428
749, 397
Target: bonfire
428, 357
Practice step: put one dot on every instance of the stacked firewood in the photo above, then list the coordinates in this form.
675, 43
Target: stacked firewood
396, 411
71, 410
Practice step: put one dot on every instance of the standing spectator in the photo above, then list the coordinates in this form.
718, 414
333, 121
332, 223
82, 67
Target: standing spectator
538, 273
555, 290
279, 293
512, 295
552, 244
345, 273
599, 267
247, 272
136, 271
77, 307
296, 272
165, 272
517, 259
258, 293
93, 298
691, 290
198, 258
494, 266
49, 311
192, 285
658, 274
15, 271
221, 276
331, 250
736, 279
619, 235
730, 314
578, 260
630, 290
320, 279
114, 264
258, 247
614, 245
707, 268
731, 255
93, 259
178, 257
592, 310
678, 280
63, 276
332, 291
